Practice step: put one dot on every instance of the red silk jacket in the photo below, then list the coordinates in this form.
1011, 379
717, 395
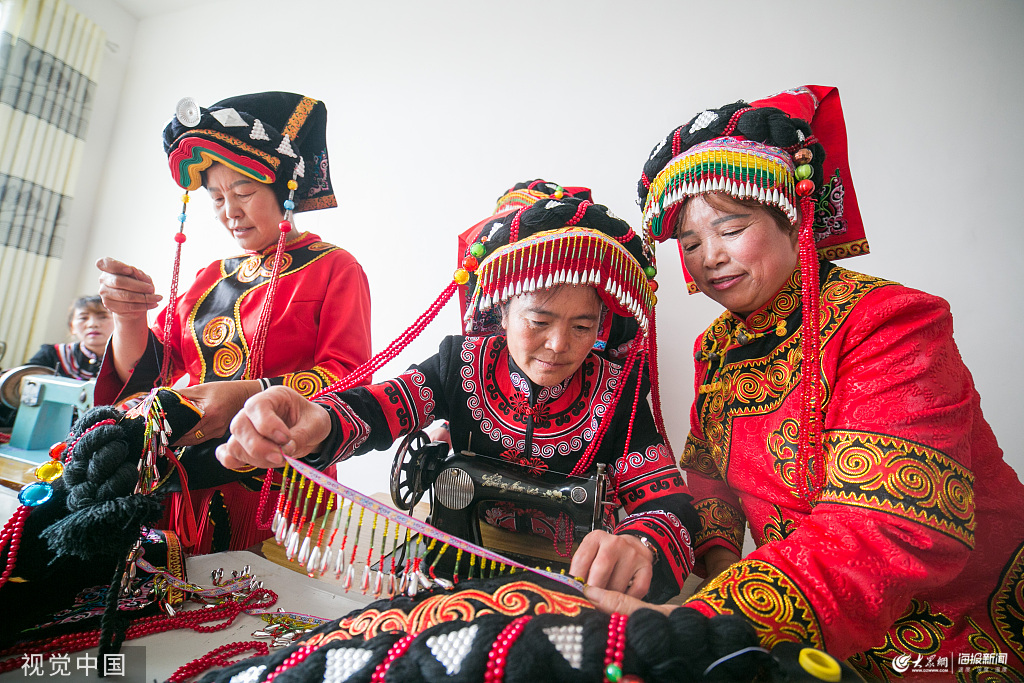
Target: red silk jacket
915, 547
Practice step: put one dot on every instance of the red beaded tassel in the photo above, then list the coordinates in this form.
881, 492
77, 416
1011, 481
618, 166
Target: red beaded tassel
615, 650
366, 370
170, 317
588, 456
497, 658
810, 469
652, 361
10, 538
219, 657
396, 651
254, 369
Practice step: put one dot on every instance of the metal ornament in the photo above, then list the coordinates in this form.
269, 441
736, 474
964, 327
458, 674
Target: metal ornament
187, 112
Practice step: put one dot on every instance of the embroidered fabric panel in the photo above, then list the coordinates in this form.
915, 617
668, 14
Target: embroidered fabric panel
309, 382
902, 478
774, 605
512, 599
219, 339
719, 523
570, 417
698, 458
919, 632
1006, 607
407, 403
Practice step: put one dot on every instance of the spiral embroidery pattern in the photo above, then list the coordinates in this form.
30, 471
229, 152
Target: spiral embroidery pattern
773, 604
249, 269
306, 383
902, 478
227, 360
513, 599
218, 330
719, 520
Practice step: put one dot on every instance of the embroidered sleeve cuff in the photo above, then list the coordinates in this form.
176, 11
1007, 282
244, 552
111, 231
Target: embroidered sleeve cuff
664, 531
720, 524
348, 432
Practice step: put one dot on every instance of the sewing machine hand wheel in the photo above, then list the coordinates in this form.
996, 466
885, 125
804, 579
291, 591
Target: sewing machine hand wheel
416, 461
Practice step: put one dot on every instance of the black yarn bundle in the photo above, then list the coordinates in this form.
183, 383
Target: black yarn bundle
104, 513
81, 537
769, 125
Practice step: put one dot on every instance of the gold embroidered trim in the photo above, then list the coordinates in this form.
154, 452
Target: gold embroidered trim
902, 478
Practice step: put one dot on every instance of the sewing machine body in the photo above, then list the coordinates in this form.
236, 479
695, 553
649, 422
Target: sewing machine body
45, 415
469, 488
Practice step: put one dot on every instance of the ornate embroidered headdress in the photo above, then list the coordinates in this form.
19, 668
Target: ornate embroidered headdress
516, 197
789, 152
275, 138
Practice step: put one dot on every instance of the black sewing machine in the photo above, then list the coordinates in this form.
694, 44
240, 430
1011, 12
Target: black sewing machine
537, 520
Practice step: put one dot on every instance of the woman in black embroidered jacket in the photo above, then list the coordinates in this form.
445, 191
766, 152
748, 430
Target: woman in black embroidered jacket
529, 391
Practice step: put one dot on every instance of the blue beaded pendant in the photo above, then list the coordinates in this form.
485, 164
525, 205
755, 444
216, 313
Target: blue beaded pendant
35, 494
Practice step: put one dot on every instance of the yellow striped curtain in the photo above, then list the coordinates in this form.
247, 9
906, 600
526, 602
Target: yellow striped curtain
49, 61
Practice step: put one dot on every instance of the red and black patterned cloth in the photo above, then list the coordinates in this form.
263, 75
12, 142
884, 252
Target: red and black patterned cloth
916, 544
491, 405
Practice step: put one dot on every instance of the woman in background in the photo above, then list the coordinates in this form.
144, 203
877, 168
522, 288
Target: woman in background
91, 324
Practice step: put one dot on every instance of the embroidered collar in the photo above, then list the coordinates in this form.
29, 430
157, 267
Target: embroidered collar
773, 314
302, 240
529, 390
89, 355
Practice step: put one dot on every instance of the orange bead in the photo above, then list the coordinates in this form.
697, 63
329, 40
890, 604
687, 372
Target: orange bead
470, 263
57, 450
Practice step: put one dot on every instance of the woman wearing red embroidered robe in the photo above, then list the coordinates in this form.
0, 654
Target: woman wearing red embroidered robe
889, 528
241, 327
535, 395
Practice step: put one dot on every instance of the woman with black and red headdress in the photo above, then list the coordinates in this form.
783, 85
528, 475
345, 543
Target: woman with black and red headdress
527, 392
833, 413
291, 310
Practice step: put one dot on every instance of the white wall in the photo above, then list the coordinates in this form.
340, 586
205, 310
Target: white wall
76, 276
437, 107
